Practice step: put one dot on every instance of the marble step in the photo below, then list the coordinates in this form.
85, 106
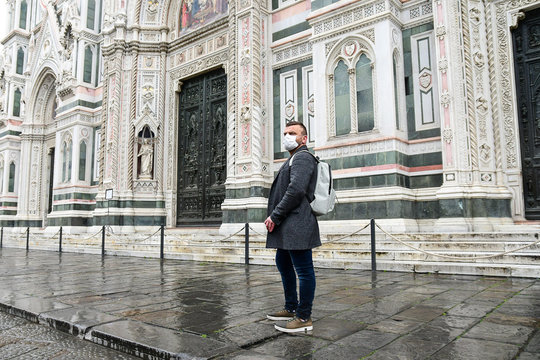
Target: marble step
350, 248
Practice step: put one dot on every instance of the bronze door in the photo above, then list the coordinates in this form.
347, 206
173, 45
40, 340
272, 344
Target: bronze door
526, 40
202, 149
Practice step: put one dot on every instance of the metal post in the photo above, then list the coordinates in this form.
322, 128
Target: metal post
246, 253
103, 240
162, 241
1, 237
27, 237
60, 241
373, 251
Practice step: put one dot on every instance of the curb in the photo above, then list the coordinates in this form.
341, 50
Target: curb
116, 333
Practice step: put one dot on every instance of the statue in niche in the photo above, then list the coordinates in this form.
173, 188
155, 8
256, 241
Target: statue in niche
67, 42
145, 155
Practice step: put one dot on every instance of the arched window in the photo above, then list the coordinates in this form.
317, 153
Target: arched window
396, 91
364, 94
91, 14
17, 102
19, 69
87, 69
66, 161
22, 16
342, 99
82, 161
351, 88
11, 184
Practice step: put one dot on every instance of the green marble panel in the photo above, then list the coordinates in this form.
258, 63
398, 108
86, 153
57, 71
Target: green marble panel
278, 35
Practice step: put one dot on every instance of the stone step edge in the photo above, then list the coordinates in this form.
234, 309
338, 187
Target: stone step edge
87, 334
351, 263
400, 251
261, 242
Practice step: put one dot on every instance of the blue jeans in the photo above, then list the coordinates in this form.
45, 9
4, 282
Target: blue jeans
287, 262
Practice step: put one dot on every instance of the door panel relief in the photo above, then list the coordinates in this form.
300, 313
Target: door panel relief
202, 149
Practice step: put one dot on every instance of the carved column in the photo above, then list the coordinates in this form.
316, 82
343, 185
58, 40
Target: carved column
471, 156
112, 120
456, 164
30, 174
483, 148
248, 166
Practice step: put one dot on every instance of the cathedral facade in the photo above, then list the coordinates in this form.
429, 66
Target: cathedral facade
142, 113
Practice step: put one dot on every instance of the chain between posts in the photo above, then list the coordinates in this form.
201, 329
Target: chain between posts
456, 257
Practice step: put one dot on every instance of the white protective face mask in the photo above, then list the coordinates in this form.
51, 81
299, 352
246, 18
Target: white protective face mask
289, 142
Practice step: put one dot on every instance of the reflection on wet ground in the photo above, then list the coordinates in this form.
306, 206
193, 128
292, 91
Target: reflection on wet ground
216, 310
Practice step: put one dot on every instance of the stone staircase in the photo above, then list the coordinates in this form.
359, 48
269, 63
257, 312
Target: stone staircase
207, 244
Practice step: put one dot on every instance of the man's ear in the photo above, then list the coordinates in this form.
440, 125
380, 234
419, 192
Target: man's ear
304, 139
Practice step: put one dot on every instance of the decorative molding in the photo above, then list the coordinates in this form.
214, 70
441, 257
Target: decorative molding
292, 54
504, 76
377, 146
330, 26
206, 63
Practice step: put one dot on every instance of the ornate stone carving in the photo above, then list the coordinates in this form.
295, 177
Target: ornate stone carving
478, 59
503, 74
516, 18
245, 114
443, 65
448, 135
445, 99
440, 31
482, 105
152, 5
485, 152
475, 14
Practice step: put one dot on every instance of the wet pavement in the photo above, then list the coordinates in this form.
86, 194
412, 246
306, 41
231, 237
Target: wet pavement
22, 340
190, 310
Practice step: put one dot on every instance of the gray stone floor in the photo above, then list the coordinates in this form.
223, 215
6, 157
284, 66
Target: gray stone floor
182, 309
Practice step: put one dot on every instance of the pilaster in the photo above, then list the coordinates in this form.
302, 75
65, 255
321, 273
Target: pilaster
249, 170
30, 164
469, 138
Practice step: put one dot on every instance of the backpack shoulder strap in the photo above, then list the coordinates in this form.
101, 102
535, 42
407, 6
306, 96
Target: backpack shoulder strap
292, 157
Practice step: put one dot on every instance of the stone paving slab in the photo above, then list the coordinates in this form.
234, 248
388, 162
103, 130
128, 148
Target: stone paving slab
75, 321
134, 337
30, 307
192, 309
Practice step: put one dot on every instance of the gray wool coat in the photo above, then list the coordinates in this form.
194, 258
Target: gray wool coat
296, 227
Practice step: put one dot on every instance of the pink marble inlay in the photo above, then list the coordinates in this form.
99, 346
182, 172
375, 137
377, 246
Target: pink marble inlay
245, 33
246, 136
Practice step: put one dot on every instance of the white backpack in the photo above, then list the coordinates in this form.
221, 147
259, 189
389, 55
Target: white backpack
325, 196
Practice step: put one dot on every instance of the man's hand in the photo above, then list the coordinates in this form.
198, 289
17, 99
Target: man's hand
269, 224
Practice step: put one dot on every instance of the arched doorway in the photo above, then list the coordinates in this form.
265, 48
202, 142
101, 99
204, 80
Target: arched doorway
44, 114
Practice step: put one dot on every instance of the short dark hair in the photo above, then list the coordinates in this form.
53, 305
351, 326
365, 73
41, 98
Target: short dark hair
291, 123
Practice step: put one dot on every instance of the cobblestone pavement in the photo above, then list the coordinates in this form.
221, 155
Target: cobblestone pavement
213, 310
20, 339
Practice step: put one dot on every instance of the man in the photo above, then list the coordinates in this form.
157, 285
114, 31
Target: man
293, 229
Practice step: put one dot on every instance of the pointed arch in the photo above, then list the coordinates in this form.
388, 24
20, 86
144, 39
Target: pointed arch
19, 65
43, 97
350, 71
